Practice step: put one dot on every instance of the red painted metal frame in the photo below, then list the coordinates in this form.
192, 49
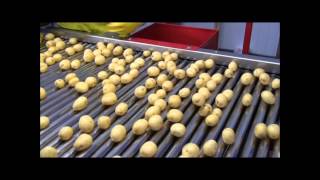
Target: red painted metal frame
247, 38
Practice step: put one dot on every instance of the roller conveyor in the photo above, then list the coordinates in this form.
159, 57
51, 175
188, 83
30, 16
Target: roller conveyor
58, 107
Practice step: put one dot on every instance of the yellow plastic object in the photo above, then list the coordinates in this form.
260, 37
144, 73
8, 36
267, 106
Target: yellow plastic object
122, 28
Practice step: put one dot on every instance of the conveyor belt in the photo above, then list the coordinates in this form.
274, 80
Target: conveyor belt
58, 107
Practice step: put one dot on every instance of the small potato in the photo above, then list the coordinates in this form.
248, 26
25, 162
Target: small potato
275, 83
273, 131
78, 47
174, 101
190, 150
59, 83
139, 61
75, 64
140, 127
73, 41
161, 93
268, 97
119, 69
146, 53
88, 57
205, 110
205, 76
100, 45
117, 51
65, 64
200, 64
150, 83
127, 52
170, 64
48, 152
167, 85
155, 122
174, 115
102, 75
106, 81
164, 54
153, 71
80, 103
97, 52
246, 78
156, 56
115, 79
87, 51
162, 104
47, 54
118, 133
212, 120
246, 99
73, 81
43, 67
52, 49
211, 85
86, 124
140, 91
60, 45
205, 92
174, 56
209, 63
153, 110
126, 78
104, 122
195, 67
184, 92
260, 131
257, 72
162, 65
228, 73
121, 62
129, 59
110, 46
112, 66
42, 57
69, 76
50, 44
83, 142
70, 51
81, 87
228, 93
148, 149
171, 69
134, 73
50, 61
99, 60
210, 148
109, 99
65, 133
91, 81
233, 66
43, 93
57, 39
228, 136
177, 129
109, 87
198, 99
44, 122
121, 109
57, 57
49, 36
217, 111
217, 78
264, 78
221, 101
152, 98
161, 78
134, 65
179, 74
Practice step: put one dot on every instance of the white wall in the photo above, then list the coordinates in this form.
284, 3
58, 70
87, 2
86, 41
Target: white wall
231, 36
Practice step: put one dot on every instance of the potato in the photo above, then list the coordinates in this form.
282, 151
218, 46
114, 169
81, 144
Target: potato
134, 73
179, 74
78, 47
49, 36
257, 72
156, 56
167, 85
264, 78
50, 61
47, 54
161, 93
104, 122
198, 99
200, 64
119, 69
112, 66
140, 127
275, 83
155, 122
164, 54
153, 71
211, 85
205, 92
217, 111
174, 56
72, 82
106, 81
209, 63
174, 115
246, 99
246, 78
75, 64
60, 45
91, 81
161, 78
205, 110
43, 67
121, 109
212, 120
260, 131
129, 59
121, 62
57, 57
57, 39
97, 52
44, 122
86, 124
228, 136
139, 61
87, 51
109, 87
104, 52
170, 64
148, 149
43, 93
42, 57
115, 79
80, 103
171, 69
110, 46
50, 43
228, 93
152, 98
217, 78
191, 150
126, 78
65, 133
117, 51
162, 104
81, 87
69, 76
146, 53
221, 101
174, 101
88, 57
59, 83
184, 92
153, 110
48, 152
83, 142
177, 129
228, 73
210, 148
52, 49
205, 77
100, 45
195, 67
65, 64
127, 52
73, 41
70, 51
102, 75
99, 60
268, 97
118, 133
162, 65
273, 131
140, 91
233, 66
134, 65
150, 83
109, 98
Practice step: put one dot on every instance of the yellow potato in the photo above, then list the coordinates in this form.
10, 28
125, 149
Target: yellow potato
152, 98
43, 67
161, 93
115, 79
88, 57
174, 115
205, 110
171, 69
146, 53
228, 136
83, 142
100, 45
119, 69
57, 39
109, 87
260, 131
153, 71
177, 129
228, 93
42, 57
198, 99
221, 101
109, 99
179, 74
174, 56
246, 99
217, 111
162, 104
153, 110
73, 81
99, 60
148, 149
127, 52
209, 63
97, 52
273, 131
106, 52
49, 36
102, 75
50, 44
195, 67
80, 103
167, 85
139, 61
134, 73
44, 122
161, 78
155, 122
122, 62
246, 78
91, 81
156, 56
129, 59
257, 72
48, 152
210, 148
233, 66
106, 81
59, 83
275, 83
140, 127
211, 85
52, 49
121, 109
110, 46
118, 133
78, 47
264, 78
212, 120
81, 87
75, 64
205, 77
104, 122
69, 76
65, 133
190, 150
73, 40
47, 54
184, 92
217, 78
43, 93
164, 54
150, 83
65, 64
228, 73
200, 64
57, 57
50, 61
60, 45
86, 124
70, 51
117, 51
205, 92
134, 65
162, 65
268, 97
126, 78
174, 101
140, 91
